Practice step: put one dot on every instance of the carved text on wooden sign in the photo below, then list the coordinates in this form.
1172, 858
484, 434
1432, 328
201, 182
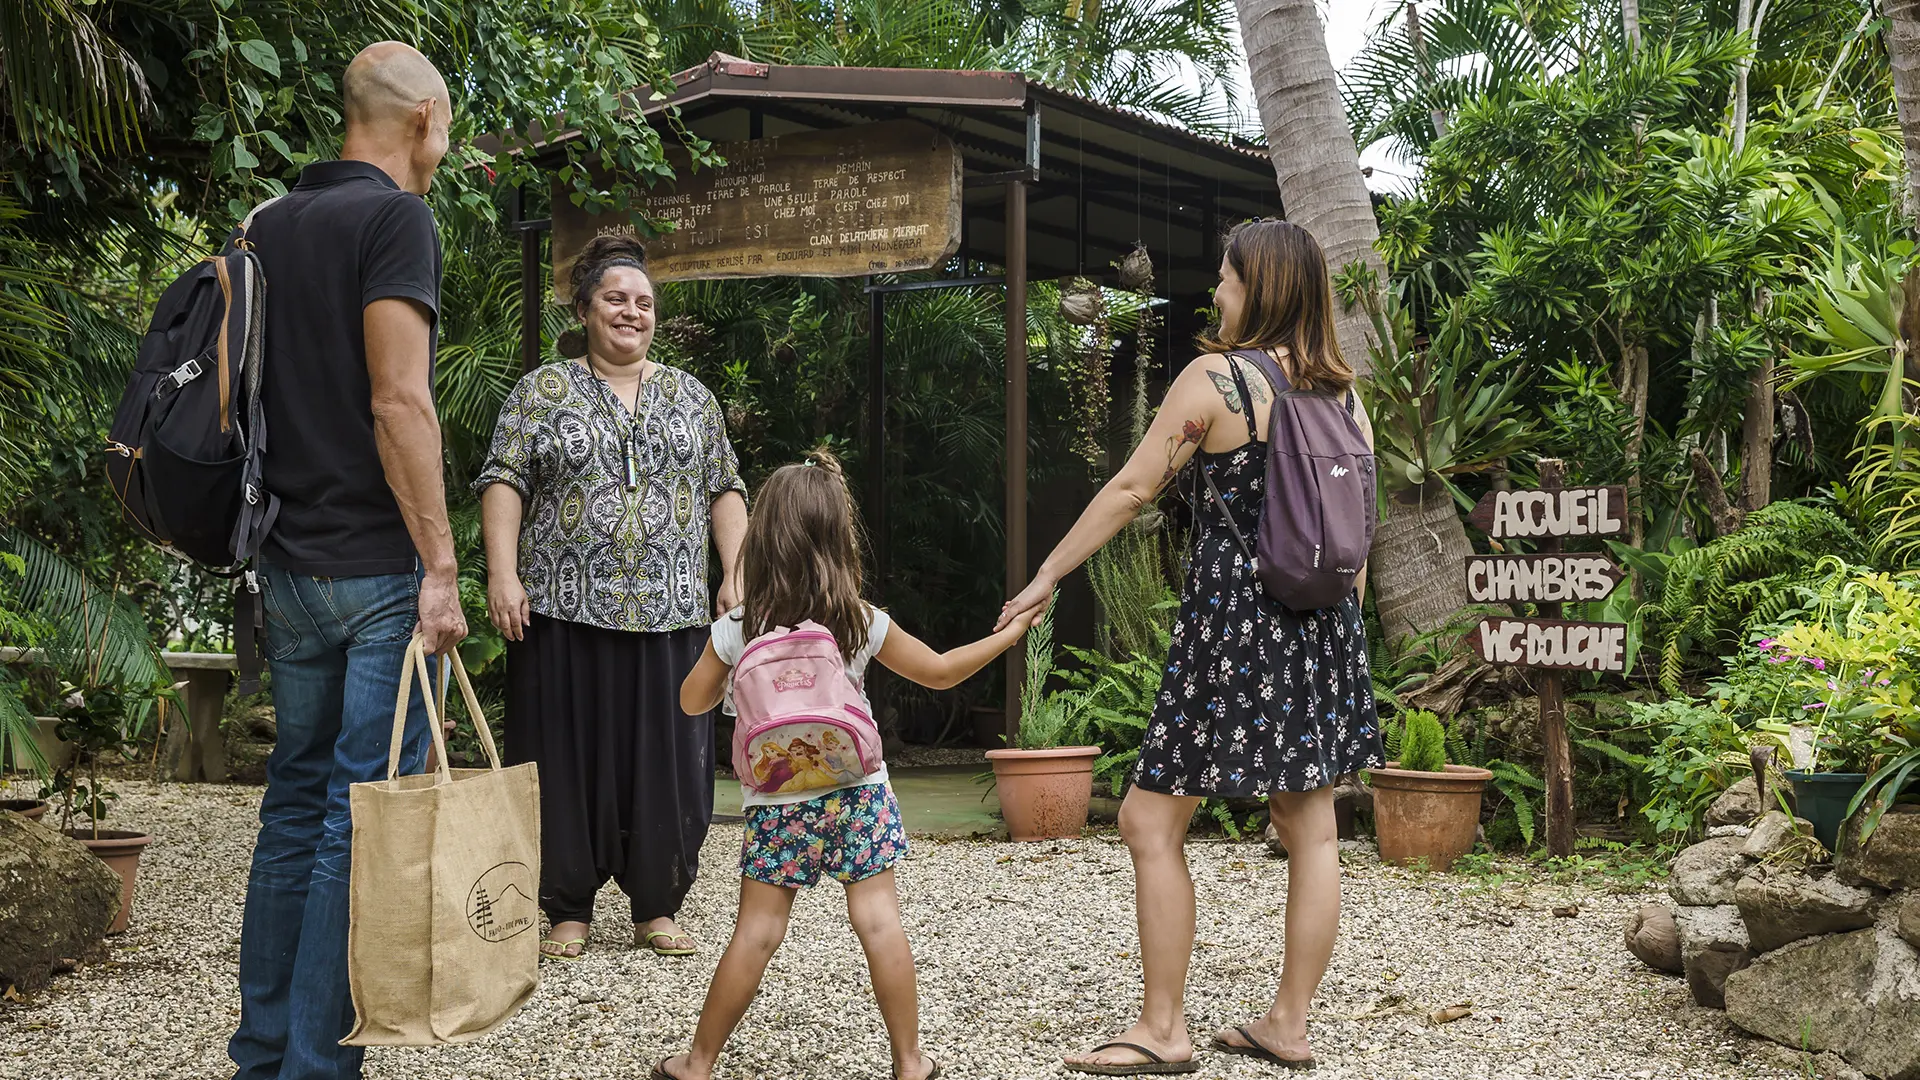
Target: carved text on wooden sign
1551, 643
1552, 579
1589, 511
878, 198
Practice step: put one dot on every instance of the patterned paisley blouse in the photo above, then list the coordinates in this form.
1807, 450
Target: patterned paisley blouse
612, 537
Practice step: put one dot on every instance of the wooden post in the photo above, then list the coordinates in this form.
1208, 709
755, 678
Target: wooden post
1016, 512
1553, 707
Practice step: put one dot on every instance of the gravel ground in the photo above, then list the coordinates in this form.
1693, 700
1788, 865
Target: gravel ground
1026, 952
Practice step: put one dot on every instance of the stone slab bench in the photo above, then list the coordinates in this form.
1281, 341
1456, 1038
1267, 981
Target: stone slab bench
195, 750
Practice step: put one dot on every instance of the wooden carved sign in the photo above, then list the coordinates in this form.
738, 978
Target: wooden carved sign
878, 198
1551, 643
1561, 512
1554, 579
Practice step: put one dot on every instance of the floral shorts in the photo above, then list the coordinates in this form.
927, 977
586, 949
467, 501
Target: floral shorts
850, 834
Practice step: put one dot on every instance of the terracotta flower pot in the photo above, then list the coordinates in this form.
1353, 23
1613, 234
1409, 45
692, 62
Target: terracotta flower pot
1426, 815
1044, 794
121, 852
31, 809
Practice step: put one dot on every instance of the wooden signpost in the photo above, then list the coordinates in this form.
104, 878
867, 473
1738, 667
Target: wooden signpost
1550, 514
879, 198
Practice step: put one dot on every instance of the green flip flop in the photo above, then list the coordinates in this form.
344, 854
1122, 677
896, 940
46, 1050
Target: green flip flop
647, 939
563, 946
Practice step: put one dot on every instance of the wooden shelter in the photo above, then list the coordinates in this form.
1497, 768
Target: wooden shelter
1053, 184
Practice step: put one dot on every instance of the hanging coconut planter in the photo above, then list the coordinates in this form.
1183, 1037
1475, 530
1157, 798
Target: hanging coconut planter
1081, 302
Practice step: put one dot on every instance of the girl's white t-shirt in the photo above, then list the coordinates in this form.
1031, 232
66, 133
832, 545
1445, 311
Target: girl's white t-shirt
729, 641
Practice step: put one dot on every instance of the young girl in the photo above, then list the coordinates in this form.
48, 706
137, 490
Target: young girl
800, 561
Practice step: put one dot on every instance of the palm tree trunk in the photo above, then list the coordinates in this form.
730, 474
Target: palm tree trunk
1312, 148
1421, 551
1903, 45
1418, 559
1630, 23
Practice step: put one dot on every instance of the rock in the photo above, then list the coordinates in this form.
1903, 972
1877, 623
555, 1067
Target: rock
56, 901
1738, 805
1831, 1066
1713, 945
1907, 919
1776, 834
1714, 832
1653, 937
1705, 874
1781, 906
1891, 857
1856, 994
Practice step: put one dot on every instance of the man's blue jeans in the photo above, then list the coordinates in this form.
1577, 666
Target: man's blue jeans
334, 647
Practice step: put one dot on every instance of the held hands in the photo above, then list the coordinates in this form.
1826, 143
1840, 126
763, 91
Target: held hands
507, 606
442, 624
1029, 606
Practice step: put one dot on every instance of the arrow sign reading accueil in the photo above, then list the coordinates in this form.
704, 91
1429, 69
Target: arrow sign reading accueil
1589, 511
1547, 579
1551, 643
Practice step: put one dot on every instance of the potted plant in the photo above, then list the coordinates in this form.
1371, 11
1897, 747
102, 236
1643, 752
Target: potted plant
1045, 781
1857, 666
94, 720
1424, 809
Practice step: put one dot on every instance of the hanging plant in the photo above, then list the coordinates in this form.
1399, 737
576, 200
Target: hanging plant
1086, 356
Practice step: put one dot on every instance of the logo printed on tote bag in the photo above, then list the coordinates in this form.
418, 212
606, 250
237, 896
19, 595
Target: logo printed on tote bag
500, 905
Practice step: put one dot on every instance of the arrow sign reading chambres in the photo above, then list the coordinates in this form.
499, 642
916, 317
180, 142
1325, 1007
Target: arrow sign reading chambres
1551, 643
1547, 579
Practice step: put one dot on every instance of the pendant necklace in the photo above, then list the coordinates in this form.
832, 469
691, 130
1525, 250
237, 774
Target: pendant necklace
632, 437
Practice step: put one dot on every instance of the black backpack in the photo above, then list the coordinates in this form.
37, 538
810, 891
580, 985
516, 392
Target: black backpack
185, 451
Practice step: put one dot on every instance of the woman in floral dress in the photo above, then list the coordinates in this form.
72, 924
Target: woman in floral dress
1257, 701
608, 477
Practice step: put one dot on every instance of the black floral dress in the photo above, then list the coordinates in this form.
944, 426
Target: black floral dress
1256, 699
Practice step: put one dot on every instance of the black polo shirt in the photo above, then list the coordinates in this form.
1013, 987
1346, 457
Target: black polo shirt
345, 236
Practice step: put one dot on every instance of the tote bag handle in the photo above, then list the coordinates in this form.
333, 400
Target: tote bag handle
416, 661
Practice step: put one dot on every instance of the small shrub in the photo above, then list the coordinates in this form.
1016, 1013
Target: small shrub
1423, 742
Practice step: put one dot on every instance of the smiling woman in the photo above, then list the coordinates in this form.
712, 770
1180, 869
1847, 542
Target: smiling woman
608, 477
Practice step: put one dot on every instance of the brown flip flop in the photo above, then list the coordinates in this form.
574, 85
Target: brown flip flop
1155, 1065
1255, 1050
933, 1073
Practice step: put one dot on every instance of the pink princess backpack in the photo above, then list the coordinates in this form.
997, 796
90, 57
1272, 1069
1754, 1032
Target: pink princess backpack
801, 721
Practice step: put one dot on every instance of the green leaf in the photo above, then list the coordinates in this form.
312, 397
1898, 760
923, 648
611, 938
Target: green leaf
299, 51
279, 145
261, 54
210, 128
242, 157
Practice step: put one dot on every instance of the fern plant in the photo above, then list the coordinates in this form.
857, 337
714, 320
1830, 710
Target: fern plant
1422, 742
1708, 595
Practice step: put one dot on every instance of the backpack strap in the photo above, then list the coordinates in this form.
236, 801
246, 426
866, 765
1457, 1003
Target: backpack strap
1246, 396
1232, 526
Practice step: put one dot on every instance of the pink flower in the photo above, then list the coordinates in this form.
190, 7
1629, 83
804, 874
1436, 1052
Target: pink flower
1819, 664
1815, 705
1764, 643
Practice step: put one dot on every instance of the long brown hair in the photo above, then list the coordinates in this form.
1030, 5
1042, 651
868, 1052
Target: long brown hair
1289, 303
801, 556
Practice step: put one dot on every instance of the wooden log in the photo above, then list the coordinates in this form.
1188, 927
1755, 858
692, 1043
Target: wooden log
1553, 707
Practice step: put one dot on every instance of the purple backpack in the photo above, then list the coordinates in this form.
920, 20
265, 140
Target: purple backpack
1316, 520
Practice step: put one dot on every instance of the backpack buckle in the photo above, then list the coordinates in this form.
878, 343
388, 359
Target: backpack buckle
253, 582
185, 373
253, 495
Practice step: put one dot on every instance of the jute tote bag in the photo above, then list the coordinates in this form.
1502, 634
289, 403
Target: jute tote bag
444, 944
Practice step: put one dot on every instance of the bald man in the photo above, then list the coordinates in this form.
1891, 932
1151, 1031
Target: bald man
360, 557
